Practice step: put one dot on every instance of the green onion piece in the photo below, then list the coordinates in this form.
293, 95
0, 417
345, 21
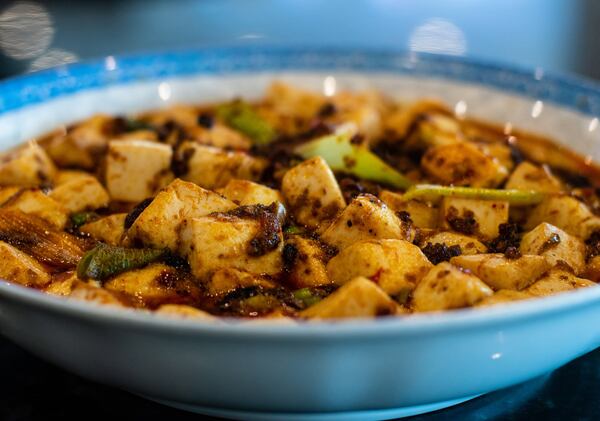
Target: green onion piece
293, 229
432, 193
240, 116
132, 125
105, 261
81, 218
342, 155
306, 297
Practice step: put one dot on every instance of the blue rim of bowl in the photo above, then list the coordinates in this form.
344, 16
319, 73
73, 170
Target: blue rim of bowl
19, 92
574, 93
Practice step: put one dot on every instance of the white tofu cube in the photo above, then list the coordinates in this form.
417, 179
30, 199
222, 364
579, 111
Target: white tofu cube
566, 213
531, 177
500, 272
218, 242
35, 202
556, 245
557, 281
20, 268
359, 298
468, 245
137, 169
109, 230
396, 266
473, 217
365, 218
504, 296
78, 191
27, 166
211, 167
160, 223
312, 193
244, 192
422, 214
447, 287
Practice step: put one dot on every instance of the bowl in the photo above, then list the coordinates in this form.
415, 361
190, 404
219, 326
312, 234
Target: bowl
359, 369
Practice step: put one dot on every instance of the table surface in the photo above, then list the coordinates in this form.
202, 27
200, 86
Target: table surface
35, 390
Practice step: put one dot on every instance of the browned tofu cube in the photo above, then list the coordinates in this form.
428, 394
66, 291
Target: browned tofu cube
462, 164
556, 245
504, 296
312, 193
244, 192
473, 217
396, 266
359, 298
137, 169
27, 166
592, 269
35, 202
468, 245
566, 213
557, 281
20, 268
211, 167
305, 264
159, 224
227, 280
500, 272
109, 229
154, 285
528, 176
421, 214
183, 311
218, 242
447, 287
365, 218
78, 191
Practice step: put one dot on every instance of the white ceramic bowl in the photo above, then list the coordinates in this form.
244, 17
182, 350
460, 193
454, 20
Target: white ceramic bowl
352, 370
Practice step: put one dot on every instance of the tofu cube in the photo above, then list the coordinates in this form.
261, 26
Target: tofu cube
218, 242
80, 146
592, 269
365, 218
227, 280
473, 217
244, 192
86, 291
556, 245
219, 136
109, 230
462, 164
62, 284
528, 176
312, 193
211, 167
422, 214
27, 166
504, 296
447, 287
35, 202
500, 272
183, 311
159, 224
78, 191
566, 213
20, 268
305, 262
396, 266
359, 298
137, 169
154, 285
557, 281
468, 245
